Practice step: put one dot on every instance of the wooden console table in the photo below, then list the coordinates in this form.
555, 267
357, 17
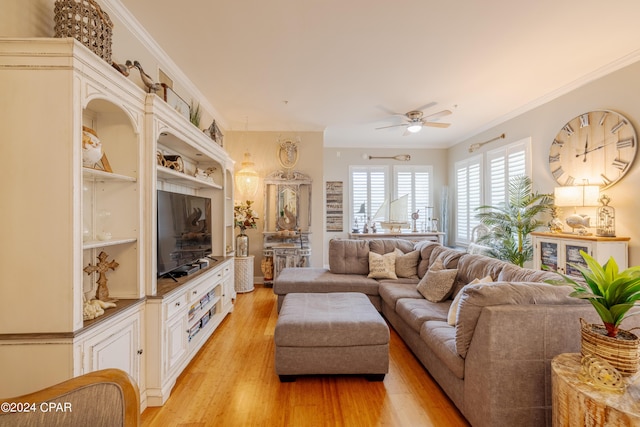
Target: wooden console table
576, 403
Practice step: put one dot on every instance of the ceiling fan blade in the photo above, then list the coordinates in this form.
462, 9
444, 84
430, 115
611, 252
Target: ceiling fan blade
392, 126
388, 111
436, 124
439, 114
425, 106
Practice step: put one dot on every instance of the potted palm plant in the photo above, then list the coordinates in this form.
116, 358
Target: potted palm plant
510, 224
613, 294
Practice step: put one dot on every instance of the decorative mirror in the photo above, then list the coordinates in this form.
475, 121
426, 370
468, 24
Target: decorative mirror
287, 201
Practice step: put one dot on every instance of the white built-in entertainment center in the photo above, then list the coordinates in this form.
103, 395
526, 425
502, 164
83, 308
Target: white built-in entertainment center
58, 217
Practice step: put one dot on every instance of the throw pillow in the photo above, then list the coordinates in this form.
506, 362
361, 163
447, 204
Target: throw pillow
382, 266
437, 285
407, 264
453, 309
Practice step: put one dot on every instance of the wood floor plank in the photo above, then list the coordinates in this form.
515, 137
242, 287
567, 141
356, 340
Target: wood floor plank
232, 382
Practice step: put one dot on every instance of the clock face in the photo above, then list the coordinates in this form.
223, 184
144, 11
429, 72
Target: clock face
596, 148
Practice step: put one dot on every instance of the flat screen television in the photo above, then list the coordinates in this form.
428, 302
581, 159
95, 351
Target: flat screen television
184, 230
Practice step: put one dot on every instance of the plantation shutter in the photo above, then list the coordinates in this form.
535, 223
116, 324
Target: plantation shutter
504, 164
468, 197
414, 181
368, 187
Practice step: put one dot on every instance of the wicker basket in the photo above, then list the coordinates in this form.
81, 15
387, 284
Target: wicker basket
622, 354
86, 22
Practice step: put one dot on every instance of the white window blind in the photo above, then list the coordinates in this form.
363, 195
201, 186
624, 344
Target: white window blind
503, 164
414, 181
468, 197
368, 191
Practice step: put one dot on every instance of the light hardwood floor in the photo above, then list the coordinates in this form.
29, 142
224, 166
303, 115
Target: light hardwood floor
232, 382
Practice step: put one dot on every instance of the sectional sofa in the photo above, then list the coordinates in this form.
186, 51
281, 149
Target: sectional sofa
491, 352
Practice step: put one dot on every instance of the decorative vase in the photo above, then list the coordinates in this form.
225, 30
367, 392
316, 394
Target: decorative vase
242, 244
623, 352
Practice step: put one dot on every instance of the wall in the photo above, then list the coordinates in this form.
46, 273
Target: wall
618, 91
338, 160
263, 147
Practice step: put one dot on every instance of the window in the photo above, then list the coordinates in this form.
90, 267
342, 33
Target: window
503, 164
415, 181
368, 191
468, 197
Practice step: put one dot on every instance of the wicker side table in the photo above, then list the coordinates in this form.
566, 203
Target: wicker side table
243, 280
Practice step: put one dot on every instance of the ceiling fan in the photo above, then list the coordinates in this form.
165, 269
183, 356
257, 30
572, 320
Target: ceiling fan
416, 120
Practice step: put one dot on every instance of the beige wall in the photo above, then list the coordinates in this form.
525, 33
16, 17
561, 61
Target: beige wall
263, 147
618, 91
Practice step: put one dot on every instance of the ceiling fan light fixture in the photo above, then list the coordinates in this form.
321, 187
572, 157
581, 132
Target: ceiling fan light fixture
414, 127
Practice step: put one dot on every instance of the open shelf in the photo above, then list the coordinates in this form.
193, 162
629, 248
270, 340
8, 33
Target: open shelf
184, 179
93, 244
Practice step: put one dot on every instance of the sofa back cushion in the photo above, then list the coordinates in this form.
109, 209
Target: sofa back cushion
471, 267
349, 256
475, 297
513, 273
384, 246
425, 247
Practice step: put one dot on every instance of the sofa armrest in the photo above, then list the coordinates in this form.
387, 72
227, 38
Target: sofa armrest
507, 368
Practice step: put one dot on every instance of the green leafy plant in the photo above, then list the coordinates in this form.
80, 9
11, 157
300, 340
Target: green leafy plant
611, 292
510, 224
194, 114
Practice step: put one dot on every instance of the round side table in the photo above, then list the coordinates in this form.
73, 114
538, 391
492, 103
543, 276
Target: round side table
243, 280
576, 403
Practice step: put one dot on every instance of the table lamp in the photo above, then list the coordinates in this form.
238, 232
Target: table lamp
577, 196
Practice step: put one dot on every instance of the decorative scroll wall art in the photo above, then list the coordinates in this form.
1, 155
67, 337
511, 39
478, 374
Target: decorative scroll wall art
334, 206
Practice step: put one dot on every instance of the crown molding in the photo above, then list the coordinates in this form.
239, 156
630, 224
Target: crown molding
118, 10
582, 81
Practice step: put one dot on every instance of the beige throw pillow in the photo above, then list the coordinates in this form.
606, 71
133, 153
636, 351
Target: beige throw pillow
437, 283
452, 317
382, 266
407, 264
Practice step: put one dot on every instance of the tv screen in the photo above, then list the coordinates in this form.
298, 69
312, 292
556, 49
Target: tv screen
184, 230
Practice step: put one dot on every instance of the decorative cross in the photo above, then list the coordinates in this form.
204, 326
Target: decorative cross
102, 293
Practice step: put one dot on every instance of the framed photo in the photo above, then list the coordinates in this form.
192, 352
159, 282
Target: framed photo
334, 218
177, 103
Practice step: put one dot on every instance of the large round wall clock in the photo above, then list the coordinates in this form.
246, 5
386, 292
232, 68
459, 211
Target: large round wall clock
596, 148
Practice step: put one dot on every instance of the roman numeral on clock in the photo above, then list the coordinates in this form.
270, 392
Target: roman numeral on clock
558, 143
625, 143
555, 158
570, 180
568, 129
619, 164
618, 126
584, 120
605, 180
557, 173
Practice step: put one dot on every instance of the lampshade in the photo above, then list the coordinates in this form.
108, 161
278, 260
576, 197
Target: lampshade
247, 178
414, 127
576, 195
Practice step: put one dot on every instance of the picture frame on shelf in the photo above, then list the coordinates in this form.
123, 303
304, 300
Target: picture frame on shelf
174, 100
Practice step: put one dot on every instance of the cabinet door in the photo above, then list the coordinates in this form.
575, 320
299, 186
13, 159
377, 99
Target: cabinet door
176, 341
118, 347
548, 255
572, 257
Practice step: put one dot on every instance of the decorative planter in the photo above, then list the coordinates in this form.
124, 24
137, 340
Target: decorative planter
622, 352
242, 244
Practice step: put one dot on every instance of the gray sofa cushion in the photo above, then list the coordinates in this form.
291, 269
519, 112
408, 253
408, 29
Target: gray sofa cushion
417, 311
513, 273
475, 297
349, 256
472, 267
441, 339
391, 292
407, 263
321, 280
384, 246
425, 247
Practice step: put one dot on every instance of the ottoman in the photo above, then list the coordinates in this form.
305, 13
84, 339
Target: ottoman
330, 333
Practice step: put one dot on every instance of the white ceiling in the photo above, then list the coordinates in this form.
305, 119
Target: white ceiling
340, 66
